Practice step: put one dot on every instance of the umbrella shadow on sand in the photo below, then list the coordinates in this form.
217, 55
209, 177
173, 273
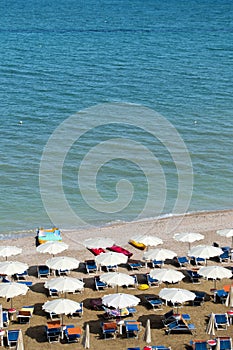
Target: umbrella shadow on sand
89, 282
32, 270
95, 328
39, 288
37, 333
155, 321
38, 310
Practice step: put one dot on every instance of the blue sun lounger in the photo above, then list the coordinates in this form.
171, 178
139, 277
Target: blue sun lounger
132, 328
199, 344
221, 321
225, 343
72, 333
180, 327
12, 337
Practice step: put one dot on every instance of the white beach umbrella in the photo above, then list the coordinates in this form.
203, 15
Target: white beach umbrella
87, 337
188, 237
159, 254
210, 329
12, 289
65, 284
205, 251
61, 307
62, 263
1, 317
147, 240
218, 346
111, 259
229, 299
20, 345
215, 272
226, 233
167, 275
98, 242
176, 295
52, 247
7, 251
10, 268
117, 279
147, 335
120, 300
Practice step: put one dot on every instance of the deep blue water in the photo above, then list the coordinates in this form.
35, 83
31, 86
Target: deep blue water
60, 57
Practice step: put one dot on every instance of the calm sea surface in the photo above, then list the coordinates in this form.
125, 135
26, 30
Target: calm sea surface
60, 57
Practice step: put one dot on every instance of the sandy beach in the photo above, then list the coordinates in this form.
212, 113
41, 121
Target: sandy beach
204, 222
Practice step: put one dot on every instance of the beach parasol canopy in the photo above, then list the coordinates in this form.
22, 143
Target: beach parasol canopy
98, 242
188, 237
159, 254
111, 259
226, 233
10, 268
167, 275
7, 251
120, 300
65, 284
62, 263
12, 289
117, 279
147, 240
176, 295
215, 272
61, 307
52, 247
205, 251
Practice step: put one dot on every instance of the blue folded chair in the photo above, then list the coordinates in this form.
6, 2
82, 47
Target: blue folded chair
137, 348
160, 347
12, 337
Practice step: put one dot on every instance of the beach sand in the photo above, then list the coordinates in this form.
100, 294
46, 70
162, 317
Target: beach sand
204, 222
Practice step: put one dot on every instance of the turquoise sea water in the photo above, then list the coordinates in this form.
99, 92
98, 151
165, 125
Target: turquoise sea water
60, 57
